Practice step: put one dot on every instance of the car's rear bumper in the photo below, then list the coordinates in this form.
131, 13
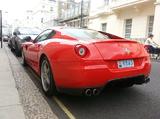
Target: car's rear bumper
82, 91
75, 75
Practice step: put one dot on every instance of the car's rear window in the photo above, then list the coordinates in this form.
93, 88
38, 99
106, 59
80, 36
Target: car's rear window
84, 34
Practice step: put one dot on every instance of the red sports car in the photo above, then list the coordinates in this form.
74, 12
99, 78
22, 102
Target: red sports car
85, 61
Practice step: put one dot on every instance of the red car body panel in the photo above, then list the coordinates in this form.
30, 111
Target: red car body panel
96, 69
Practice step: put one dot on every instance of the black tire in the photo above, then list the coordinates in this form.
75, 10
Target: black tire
52, 90
23, 62
17, 51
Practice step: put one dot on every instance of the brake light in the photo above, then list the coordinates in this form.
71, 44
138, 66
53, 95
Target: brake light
81, 50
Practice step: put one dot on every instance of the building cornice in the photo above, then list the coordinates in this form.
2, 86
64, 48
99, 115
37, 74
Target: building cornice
127, 4
114, 7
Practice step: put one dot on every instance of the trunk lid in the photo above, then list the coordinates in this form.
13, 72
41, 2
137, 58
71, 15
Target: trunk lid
118, 49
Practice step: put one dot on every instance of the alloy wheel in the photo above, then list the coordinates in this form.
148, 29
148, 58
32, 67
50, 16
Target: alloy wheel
45, 75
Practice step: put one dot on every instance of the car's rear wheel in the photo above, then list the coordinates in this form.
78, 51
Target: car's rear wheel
48, 84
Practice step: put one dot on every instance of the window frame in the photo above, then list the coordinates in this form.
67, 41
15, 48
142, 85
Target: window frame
49, 35
148, 25
105, 27
127, 34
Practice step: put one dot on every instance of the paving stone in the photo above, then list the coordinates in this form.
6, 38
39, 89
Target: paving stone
11, 112
9, 96
6, 79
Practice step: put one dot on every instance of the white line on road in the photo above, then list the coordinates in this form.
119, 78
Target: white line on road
64, 108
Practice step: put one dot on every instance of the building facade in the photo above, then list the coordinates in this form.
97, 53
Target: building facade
69, 13
133, 19
45, 13
42, 15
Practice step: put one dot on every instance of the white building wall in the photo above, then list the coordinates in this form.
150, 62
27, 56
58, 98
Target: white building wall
110, 20
116, 20
139, 18
43, 11
156, 28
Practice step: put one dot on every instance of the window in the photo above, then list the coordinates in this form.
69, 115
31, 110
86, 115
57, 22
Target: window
104, 27
150, 24
84, 34
44, 35
51, 8
42, 20
128, 28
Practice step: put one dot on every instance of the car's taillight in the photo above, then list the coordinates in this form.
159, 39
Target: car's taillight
81, 50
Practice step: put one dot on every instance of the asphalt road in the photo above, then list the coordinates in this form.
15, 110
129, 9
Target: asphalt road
137, 102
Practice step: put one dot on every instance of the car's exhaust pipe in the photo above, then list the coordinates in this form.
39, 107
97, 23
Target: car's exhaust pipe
96, 92
88, 92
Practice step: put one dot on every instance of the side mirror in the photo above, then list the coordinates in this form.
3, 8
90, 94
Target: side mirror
27, 39
14, 33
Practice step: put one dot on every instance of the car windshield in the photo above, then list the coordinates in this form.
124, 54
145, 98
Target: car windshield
85, 34
29, 31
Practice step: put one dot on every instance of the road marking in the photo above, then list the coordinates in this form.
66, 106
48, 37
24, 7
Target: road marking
60, 104
64, 108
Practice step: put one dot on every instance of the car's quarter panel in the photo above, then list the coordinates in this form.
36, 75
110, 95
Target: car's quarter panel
64, 50
60, 51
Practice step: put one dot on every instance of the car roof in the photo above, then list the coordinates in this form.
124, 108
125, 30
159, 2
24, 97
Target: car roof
59, 28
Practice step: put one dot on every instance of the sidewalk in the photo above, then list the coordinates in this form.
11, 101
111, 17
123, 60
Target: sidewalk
10, 106
20, 98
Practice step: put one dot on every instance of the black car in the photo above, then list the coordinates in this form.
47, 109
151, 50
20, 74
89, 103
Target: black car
19, 36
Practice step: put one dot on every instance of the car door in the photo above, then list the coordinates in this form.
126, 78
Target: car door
34, 49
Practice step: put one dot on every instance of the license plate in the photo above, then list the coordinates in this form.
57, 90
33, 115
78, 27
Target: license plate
125, 64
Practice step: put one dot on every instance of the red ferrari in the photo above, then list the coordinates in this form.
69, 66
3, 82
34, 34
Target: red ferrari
85, 61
